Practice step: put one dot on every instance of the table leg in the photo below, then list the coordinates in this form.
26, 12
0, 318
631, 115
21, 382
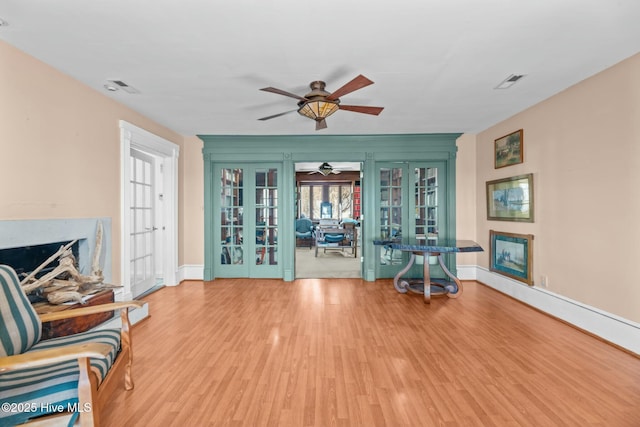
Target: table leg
426, 274
402, 285
455, 279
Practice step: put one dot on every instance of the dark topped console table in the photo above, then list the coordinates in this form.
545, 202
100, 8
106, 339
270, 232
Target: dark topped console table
426, 285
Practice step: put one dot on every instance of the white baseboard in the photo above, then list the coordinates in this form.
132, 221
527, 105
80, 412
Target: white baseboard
190, 272
466, 272
120, 295
614, 329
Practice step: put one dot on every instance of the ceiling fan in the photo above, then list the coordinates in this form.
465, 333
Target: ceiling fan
320, 104
325, 169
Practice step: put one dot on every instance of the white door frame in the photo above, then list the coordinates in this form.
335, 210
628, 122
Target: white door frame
132, 136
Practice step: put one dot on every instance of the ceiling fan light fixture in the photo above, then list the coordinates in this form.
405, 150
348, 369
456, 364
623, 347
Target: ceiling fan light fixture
318, 110
320, 104
325, 169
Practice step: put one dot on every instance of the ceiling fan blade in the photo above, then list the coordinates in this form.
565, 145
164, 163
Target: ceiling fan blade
277, 115
362, 109
355, 84
283, 92
321, 124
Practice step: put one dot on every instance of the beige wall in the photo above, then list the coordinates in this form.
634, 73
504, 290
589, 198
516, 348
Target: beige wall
466, 214
60, 144
583, 147
192, 231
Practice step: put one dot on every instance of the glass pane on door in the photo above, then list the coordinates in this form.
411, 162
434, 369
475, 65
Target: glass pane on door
141, 239
231, 216
391, 211
266, 216
426, 205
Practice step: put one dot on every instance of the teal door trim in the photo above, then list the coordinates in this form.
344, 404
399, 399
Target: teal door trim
287, 217
289, 149
208, 273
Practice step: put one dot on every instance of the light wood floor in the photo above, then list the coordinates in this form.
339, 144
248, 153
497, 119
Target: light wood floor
344, 352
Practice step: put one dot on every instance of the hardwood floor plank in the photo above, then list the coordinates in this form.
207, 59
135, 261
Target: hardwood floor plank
344, 352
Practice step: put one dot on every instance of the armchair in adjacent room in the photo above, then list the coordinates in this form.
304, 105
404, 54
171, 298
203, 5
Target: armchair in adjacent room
304, 232
64, 379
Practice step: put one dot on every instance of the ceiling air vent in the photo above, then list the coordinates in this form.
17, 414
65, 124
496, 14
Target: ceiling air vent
509, 81
119, 84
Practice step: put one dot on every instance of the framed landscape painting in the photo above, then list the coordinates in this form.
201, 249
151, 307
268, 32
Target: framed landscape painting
510, 199
511, 255
509, 150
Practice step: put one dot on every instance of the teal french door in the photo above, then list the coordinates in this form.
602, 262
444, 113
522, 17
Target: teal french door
411, 209
245, 228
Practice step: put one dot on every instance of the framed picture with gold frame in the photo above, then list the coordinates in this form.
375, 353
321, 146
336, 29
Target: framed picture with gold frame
511, 255
509, 149
510, 199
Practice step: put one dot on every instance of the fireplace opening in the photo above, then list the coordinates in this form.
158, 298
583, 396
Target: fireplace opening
26, 259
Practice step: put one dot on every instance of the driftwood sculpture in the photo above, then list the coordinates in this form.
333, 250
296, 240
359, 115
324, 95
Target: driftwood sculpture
65, 283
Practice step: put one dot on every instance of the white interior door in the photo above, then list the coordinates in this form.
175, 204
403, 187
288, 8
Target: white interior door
143, 223
165, 180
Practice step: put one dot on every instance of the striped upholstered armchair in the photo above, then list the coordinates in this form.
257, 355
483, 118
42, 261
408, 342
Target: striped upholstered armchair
63, 377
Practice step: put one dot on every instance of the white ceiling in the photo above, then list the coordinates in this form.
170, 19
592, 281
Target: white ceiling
199, 64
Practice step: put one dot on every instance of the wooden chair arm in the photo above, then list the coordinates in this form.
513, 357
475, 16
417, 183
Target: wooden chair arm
84, 311
55, 355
